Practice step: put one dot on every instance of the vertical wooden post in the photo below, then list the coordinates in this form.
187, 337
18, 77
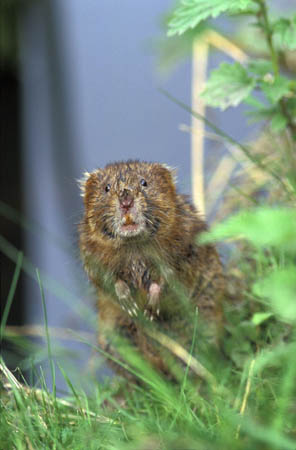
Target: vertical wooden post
199, 73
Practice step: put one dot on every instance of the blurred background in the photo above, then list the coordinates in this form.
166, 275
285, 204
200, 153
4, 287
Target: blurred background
80, 88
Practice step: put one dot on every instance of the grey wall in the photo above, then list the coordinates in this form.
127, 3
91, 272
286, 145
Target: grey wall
89, 97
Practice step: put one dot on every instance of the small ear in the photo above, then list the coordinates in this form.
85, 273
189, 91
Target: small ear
82, 182
172, 170
169, 172
94, 176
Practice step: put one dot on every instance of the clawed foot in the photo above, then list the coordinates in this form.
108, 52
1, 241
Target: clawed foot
124, 297
152, 310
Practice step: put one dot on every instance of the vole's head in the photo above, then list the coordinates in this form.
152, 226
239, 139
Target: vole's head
129, 199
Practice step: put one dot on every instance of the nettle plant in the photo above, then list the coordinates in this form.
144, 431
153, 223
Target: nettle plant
232, 84
266, 85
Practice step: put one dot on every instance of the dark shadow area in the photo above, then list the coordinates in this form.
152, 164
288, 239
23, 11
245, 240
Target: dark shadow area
11, 173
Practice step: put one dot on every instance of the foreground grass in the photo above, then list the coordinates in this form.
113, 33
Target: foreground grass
246, 399
243, 398
248, 408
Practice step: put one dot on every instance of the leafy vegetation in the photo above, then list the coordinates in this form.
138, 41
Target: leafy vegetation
246, 399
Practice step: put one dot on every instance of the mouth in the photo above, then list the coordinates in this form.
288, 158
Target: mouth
129, 227
132, 227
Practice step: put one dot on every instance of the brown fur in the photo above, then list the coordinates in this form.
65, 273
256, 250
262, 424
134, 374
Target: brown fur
137, 239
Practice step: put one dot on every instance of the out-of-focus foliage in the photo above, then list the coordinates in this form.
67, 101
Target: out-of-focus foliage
260, 196
228, 86
272, 230
262, 227
191, 12
232, 84
285, 31
280, 287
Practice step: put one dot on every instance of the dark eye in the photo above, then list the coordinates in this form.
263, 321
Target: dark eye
143, 182
107, 188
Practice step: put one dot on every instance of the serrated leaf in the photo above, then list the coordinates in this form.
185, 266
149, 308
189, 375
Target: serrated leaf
285, 32
252, 8
276, 89
260, 67
191, 12
262, 226
228, 86
278, 122
280, 289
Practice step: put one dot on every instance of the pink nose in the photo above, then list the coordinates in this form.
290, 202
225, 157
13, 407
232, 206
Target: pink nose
126, 201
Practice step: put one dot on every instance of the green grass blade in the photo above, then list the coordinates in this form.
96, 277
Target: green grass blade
183, 385
50, 357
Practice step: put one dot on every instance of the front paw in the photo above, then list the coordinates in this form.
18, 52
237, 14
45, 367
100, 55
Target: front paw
125, 299
152, 309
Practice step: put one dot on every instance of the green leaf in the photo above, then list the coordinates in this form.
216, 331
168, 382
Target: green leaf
280, 288
285, 32
261, 317
260, 67
259, 110
191, 12
228, 86
278, 122
262, 226
254, 102
261, 114
276, 88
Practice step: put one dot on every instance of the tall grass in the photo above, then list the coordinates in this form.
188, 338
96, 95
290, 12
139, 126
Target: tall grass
245, 401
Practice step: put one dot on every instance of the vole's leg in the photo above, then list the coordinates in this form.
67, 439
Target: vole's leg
125, 299
153, 305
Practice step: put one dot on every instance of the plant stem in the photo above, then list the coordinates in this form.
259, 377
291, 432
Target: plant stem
267, 27
268, 34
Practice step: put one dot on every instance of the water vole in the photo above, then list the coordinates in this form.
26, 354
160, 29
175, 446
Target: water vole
137, 238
